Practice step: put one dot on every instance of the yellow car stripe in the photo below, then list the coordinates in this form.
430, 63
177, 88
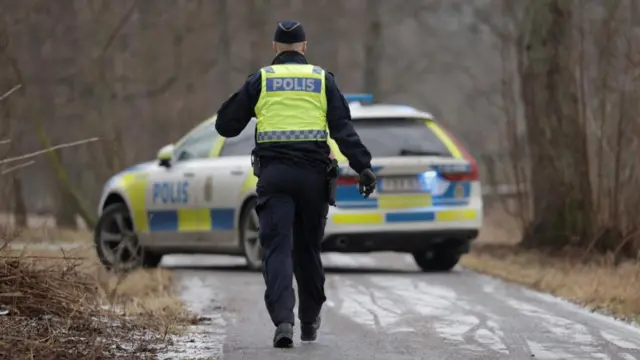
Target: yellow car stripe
362, 218
405, 217
456, 215
249, 184
389, 202
134, 185
216, 149
336, 151
446, 140
194, 220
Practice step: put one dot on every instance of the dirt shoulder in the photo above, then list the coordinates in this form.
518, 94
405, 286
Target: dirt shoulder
595, 283
62, 304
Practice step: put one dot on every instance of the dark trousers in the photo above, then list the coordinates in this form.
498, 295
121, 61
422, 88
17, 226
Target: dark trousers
292, 207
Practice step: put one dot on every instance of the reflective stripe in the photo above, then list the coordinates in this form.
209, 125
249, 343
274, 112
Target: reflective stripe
335, 151
134, 186
364, 218
292, 135
248, 186
216, 149
443, 135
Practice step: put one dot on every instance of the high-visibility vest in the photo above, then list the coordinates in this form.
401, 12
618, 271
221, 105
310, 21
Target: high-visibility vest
292, 104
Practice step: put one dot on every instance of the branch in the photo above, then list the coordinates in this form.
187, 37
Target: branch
46, 150
14, 168
62, 173
116, 31
8, 93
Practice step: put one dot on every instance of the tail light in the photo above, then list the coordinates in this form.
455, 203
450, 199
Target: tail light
348, 180
471, 174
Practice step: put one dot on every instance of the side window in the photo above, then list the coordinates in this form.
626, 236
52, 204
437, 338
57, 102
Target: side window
241, 145
198, 143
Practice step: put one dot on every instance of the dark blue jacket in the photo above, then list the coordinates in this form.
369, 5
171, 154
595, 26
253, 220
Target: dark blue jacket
237, 111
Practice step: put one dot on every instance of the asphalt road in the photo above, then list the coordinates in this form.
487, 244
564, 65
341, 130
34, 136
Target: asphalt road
381, 307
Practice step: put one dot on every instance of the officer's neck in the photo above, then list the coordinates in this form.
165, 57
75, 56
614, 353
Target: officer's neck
289, 56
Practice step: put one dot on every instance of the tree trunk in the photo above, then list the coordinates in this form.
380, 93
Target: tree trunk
259, 47
373, 48
65, 209
561, 189
19, 206
224, 44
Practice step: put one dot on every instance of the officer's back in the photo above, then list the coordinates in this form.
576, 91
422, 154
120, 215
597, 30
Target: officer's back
294, 101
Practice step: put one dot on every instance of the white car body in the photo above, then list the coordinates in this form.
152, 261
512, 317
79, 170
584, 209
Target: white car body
195, 204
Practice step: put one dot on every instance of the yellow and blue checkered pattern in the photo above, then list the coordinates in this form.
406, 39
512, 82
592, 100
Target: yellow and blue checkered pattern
392, 208
187, 220
456, 194
365, 218
134, 184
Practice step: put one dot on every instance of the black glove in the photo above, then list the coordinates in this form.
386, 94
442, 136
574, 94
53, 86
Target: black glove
367, 183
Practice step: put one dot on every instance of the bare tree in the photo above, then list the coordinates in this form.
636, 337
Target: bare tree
8, 81
555, 131
224, 42
258, 12
373, 44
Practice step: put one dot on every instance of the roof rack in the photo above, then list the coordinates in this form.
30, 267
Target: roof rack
359, 98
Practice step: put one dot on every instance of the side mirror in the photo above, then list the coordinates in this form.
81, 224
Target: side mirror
165, 154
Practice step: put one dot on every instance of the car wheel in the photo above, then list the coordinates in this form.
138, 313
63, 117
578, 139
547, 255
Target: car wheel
437, 259
249, 227
117, 244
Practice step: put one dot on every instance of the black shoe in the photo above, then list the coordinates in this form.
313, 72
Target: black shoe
283, 338
309, 332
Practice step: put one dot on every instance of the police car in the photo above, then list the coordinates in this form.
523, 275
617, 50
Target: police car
198, 196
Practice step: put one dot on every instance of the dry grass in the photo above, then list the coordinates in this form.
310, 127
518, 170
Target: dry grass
55, 236
64, 305
595, 283
42, 229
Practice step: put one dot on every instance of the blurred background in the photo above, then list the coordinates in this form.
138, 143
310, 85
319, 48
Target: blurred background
543, 93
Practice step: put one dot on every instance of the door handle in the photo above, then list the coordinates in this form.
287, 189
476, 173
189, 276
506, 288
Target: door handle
237, 172
189, 174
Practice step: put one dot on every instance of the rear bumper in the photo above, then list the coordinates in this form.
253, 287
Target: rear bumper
404, 241
408, 230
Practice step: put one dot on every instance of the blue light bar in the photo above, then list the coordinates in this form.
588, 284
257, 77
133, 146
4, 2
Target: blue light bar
363, 98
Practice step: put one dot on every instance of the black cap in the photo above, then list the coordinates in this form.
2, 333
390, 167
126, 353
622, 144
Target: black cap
289, 32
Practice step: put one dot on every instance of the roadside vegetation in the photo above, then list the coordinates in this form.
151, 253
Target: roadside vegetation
57, 304
62, 304
569, 93
594, 281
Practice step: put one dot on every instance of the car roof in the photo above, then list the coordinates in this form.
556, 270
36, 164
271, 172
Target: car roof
359, 110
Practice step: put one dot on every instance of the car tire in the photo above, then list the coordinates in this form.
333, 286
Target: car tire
440, 259
248, 233
114, 236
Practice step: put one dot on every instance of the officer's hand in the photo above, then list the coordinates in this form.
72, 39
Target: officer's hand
367, 183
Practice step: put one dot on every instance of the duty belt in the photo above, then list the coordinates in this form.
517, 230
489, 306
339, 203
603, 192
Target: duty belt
292, 135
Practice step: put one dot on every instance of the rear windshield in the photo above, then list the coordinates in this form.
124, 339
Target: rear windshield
399, 137
382, 136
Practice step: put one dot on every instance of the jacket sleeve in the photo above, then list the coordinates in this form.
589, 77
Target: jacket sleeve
341, 129
237, 111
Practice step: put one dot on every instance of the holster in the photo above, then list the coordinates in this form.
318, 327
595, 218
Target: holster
255, 164
332, 182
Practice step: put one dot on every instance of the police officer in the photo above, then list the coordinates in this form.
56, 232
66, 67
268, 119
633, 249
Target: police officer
296, 104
